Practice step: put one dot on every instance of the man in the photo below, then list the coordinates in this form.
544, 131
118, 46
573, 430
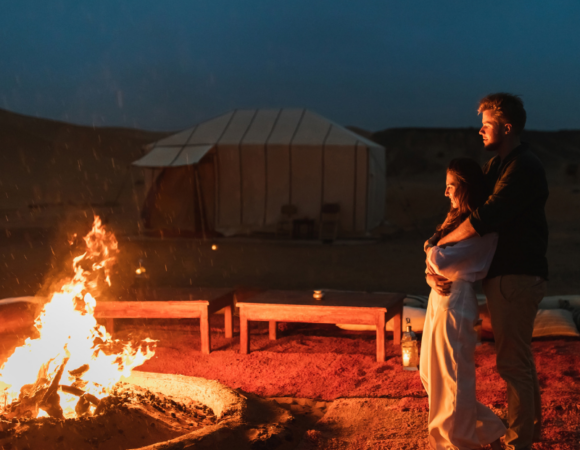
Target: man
516, 281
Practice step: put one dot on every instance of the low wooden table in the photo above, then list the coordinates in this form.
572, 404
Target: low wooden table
174, 304
335, 307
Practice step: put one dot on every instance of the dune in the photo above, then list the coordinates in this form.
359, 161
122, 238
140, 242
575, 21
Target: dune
47, 165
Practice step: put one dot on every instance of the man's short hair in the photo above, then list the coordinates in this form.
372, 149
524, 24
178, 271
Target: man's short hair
507, 108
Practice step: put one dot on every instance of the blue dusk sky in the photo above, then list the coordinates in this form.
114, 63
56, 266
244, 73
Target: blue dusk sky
166, 65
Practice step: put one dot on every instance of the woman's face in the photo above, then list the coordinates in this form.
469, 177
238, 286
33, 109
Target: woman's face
451, 186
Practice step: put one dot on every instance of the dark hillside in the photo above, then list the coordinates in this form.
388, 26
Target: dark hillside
46, 163
425, 152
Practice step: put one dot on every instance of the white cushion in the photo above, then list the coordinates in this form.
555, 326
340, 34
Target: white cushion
417, 316
553, 302
554, 322
29, 299
548, 322
416, 301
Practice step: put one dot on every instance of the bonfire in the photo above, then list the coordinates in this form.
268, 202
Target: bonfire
72, 363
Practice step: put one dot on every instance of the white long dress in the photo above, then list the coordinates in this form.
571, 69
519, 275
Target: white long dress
457, 421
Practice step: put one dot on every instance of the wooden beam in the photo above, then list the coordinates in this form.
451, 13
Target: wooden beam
200, 201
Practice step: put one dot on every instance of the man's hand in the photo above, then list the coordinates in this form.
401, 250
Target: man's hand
440, 284
431, 242
461, 233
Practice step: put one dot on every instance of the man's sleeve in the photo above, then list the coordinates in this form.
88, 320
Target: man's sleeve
512, 193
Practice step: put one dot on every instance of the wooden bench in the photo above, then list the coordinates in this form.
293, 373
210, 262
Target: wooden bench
335, 307
174, 304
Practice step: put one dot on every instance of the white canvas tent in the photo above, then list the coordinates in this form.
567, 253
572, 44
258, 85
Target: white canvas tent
234, 173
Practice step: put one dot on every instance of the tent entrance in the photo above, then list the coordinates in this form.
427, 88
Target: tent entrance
180, 202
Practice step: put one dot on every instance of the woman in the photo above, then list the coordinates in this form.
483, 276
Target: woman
457, 421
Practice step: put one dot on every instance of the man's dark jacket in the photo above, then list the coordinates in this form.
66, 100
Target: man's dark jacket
515, 210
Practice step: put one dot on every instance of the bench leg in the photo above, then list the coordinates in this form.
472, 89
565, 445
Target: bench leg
228, 321
273, 330
205, 333
381, 338
397, 326
244, 334
110, 326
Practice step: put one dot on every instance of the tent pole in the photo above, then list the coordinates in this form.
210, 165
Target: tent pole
193, 193
200, 201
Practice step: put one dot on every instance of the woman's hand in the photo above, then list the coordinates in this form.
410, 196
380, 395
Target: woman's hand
439, 284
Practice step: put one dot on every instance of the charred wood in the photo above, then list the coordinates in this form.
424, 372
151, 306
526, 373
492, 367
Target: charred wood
80, 393
77, 373
72, 390
83, 407
51, 400
51, 404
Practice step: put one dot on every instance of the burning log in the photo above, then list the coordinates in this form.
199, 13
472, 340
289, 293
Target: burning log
83, 407
91, 398
51, 400
30, 396
39, 396
78, 373
79, 383
27, 408
80, 393
51, 404
72, 390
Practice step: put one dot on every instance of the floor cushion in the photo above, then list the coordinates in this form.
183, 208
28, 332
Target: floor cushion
416, 316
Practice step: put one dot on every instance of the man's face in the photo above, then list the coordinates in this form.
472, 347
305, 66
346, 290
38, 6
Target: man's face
492, 131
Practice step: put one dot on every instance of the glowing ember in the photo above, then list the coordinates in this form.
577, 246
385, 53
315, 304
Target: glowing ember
74, 362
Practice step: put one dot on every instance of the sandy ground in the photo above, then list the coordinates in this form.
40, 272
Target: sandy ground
341, 396
368, 405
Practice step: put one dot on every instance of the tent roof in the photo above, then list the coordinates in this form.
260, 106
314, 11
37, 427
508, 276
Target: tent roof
249, 126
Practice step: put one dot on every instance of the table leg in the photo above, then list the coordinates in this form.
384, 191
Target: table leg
273, 330
110, 326
205, 333
381, 338
228, 321
244, 333
397, 326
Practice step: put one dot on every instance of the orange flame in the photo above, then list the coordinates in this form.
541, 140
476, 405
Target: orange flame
69, 333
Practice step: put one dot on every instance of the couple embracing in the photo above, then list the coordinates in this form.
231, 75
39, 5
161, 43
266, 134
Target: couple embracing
495, 231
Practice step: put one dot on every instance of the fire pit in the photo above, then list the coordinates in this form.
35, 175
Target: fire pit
71, 363
70, 386
143, 410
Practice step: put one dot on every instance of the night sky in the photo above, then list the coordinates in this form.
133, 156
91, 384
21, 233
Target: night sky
166, 65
